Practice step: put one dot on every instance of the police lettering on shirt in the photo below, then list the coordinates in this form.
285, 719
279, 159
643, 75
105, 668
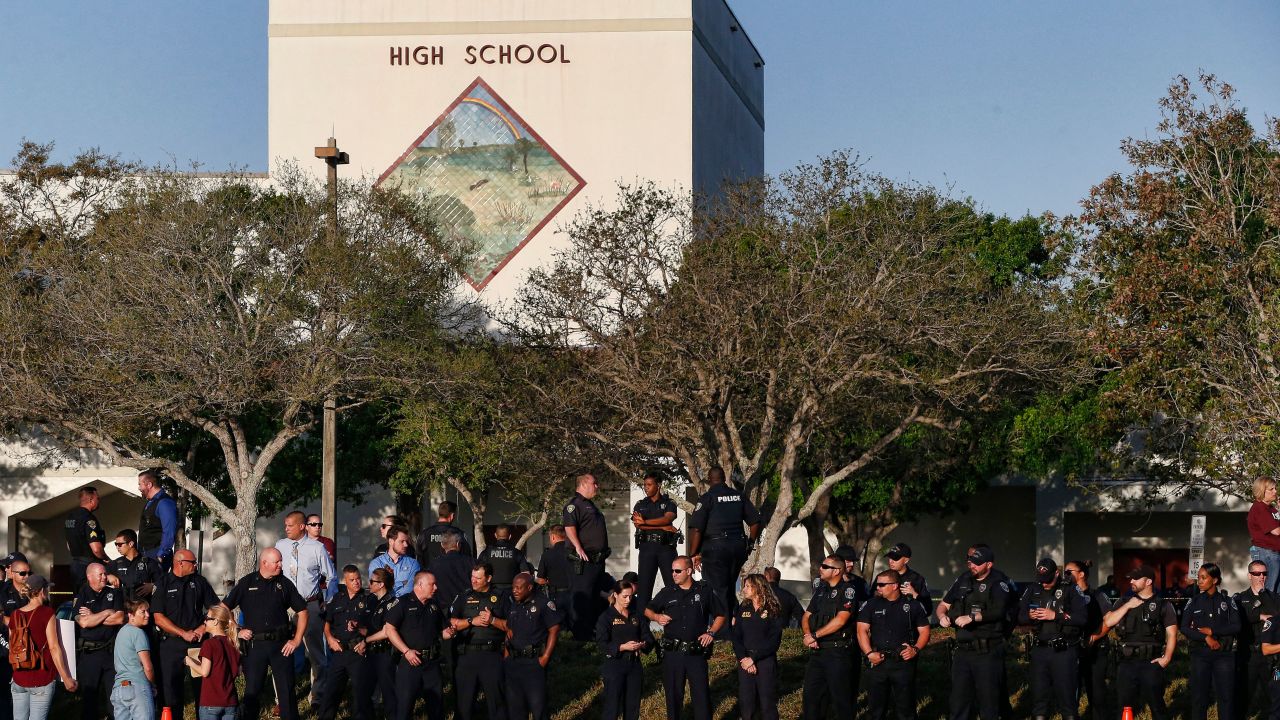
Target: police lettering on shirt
183, 600
418, 623
613, 631
506, 560
108, 598
691, 611
82, 528
893, 624
583, 514
530, 621
266, 602
722, 511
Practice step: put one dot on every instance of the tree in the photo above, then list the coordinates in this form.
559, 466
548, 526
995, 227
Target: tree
729, 334
137, 307
1181, 259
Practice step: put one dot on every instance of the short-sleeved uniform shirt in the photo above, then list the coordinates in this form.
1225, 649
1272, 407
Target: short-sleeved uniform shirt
507, 561
756, 633
583, 515
130, 641
266, 602
428, 543
531, 621
722, 510
470, 604
1252, 607
692, 611
134, 573
1147, 622
653, 510
553, 566
183, 600
344, 609
827, 602
108, 598
418, 623
1270, 633
893, 624
82, 528
453, 576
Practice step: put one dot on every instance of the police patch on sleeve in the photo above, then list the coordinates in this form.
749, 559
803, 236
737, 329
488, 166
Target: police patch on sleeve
697, 507
1005, 586
551, 604
92, 524
848, 593
569, 507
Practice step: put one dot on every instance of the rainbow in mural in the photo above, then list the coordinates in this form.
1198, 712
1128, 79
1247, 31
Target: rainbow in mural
489, 178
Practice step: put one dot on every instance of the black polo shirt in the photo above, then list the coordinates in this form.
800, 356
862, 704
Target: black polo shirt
653, 510
108, 598
583, 515
470, 604
893, 624
530, 621
721, 511
135, 573
266, 602
692, 611
344, 608
418, 623
82, 528
428, 542
184, 601
553, 566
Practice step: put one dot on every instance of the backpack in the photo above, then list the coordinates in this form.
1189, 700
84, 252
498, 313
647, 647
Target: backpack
23, 653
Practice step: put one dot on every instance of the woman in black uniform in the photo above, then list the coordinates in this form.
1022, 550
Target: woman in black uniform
622, 634
382, 657
757, 633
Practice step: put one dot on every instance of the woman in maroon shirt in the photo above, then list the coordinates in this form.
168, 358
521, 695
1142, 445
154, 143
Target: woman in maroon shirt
1264, 530
32, 690
219, 664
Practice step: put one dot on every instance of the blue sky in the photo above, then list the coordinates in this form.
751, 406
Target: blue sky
1020, 105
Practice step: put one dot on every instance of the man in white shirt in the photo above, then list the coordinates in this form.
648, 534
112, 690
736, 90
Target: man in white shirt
308, 566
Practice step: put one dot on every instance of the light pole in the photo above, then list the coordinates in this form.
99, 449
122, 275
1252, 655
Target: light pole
333, 157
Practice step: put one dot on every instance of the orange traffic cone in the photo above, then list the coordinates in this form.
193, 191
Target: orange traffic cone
1126, 715
167, 714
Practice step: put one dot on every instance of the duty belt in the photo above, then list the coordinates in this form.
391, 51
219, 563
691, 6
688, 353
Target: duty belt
167, 636
731, 535
89, 646
379, 646
490, 646
1058, 644
660, 537
1139, 651
824, 644
428, 654
279, 633
351, 643
532, 651
684, 646
979, 645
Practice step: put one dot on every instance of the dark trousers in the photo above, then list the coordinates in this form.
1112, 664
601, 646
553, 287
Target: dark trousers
526, 681
893, 679
827, 677
722, 562
476, 670
381, 670
96, 673
1212, 674
654, 558
678, 667
1253, 677
623, 678
758, 694
419, 682
1273, 689
586, 599
1093, 679
173, 674
975, 683
347, 666
6, 675
1140, 682
264, 655
1055, 675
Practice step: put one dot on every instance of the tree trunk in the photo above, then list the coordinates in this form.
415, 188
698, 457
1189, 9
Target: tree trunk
477, 502
815, 527
875, 541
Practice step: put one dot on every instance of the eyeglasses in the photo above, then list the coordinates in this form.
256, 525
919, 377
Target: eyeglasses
22, 573
677, 571
320, 524
882, 584
119, 543
825, 566
376, 581
1258, 574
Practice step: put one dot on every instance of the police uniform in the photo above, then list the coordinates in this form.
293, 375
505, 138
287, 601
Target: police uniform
920, 587
719, 516
530, 624
1270, 635
1055, 646
10, 598
479, 652
1094, 659
266, 603
382, 658
95, 659
894, 626
135, 573
1253, 669
1212, 670
347, 616
692, 613
507, 561
429, 547
977, 666
622, 673
82, 528
657, 548
419, 625
1142, 639
184, 601
757, 634
583, 515
553, 567
831, 668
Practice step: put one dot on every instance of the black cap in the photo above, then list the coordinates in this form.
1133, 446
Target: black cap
36, 583
898, 551
847, 553
1046, 570
981, 555
1146, 571
12, 557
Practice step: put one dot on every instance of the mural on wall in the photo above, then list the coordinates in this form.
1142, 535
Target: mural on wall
490, 178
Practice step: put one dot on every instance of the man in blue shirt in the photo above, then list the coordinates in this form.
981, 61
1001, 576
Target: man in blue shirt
395, 560
158, 528
306, 563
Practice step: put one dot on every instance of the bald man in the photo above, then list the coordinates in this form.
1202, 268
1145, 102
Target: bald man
99, 611
179, 604
267, 597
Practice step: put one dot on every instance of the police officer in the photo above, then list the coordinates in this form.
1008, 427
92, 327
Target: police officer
415, 625
267, 596
1095, 648
690, 614
505, 558
133, 572
792, 611
654, 518
622, 632
850, 556
829, 628
1270, 644
978, 605
584, 526
429, 541
893, 630
533, 623
1211, 622
452, 572
554, 573
913, 583
99, 614
382, 657
394, 521
757, 633
717, 543
479, 619
86, 540
1147, 628
158, 527
1057, 613
346, 621
1253, 669
178, 607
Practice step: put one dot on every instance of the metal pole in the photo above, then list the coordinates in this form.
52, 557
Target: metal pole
329, 435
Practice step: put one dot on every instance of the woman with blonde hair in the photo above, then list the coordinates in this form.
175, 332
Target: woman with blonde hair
219, 663
757, 633
1264, 530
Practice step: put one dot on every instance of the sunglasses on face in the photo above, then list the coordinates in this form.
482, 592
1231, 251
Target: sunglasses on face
677, 571
824, 566
118, 543
320, 524
882, 584
1258, 574
22, 573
